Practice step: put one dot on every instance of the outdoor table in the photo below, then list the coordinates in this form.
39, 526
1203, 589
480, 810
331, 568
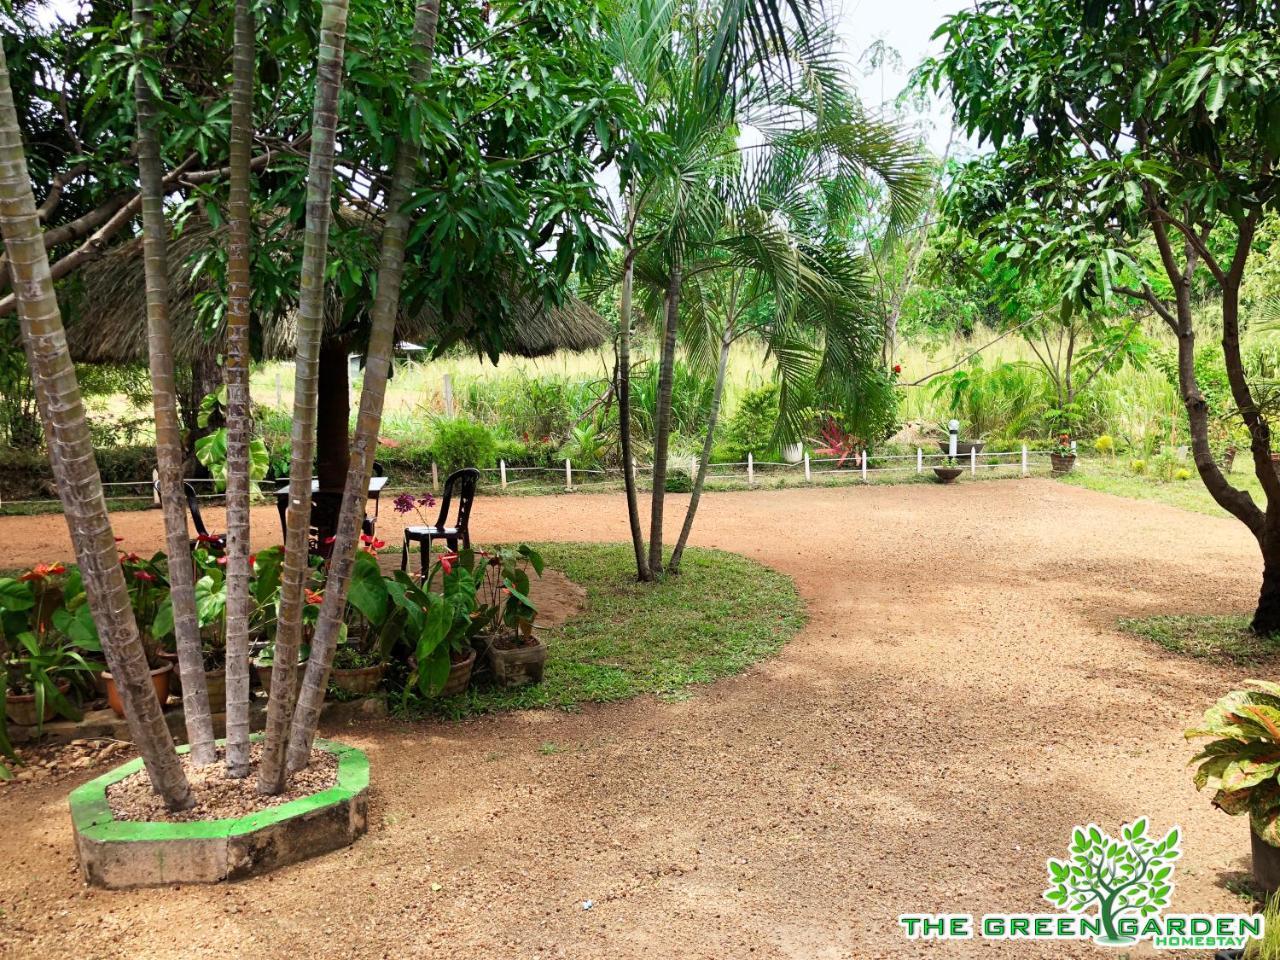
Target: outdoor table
376, 485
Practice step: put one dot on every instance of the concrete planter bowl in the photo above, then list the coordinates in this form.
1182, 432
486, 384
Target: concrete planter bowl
119, 854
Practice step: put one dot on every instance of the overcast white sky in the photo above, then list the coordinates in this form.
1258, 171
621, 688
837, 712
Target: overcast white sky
906, 26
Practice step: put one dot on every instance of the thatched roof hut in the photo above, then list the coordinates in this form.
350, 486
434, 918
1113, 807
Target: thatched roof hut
105, 309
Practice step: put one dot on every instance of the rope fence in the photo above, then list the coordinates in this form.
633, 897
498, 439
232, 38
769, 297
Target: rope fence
863, 466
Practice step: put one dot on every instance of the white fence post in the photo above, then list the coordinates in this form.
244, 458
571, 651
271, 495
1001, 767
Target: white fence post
447, 384
568, 474
919, 460
808, 476
864, 464
279, 393
1025, 471
973, 460
693, 467
1073, 448
155, 488
502, 472
435, 476
751, 470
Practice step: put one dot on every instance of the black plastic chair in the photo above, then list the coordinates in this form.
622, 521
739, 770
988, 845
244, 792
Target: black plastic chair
370, 524
459, 531
216, 542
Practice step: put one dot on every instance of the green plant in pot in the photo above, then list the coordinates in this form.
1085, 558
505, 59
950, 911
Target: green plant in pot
1062, 455
42, 650
148, 592
372, 624
439, 628
517, 656
211, 619
1241, 765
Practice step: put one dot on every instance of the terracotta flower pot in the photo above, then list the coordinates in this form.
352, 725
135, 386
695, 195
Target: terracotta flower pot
459, 676
216, 681
264, 677
159, 679
517, 666
1062, 464
361, 681
20, 708
948, 474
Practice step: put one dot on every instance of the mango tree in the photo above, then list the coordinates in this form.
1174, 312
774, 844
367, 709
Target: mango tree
1135, 154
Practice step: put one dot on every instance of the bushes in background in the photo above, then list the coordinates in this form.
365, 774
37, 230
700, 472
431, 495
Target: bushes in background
463, 443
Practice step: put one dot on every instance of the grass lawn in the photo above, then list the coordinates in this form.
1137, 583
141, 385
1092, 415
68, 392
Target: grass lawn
1112, 475
1220, 639
722, 614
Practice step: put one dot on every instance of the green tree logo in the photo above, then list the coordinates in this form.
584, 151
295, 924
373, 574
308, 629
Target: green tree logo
1130, 876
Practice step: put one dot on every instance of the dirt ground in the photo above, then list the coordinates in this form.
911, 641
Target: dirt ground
958, 702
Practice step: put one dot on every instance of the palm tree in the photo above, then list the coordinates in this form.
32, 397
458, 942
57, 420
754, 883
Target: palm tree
169, 445
369, 422
239, 411
683, 181
333, 35
72, 459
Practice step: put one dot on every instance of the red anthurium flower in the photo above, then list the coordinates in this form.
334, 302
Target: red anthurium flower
221, 561
205, 538
330, 539
897, 368
119, 539
42, 570
447, 561
253, 559
315, 597
144, 575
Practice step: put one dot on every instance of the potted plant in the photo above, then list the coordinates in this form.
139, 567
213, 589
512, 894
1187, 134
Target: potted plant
516, 656
948, 471
440, 626
148, 591
38, 660
1241, 765
963, 448
372, 623
1062, 455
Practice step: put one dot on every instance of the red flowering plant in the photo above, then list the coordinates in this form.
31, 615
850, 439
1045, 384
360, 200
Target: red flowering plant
836, 443
148, 583
1062, 446
43, 646
372, 621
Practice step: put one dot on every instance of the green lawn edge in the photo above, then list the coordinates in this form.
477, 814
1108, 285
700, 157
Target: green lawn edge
722, 615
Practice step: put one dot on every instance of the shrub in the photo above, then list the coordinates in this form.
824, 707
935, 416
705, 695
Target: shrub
463, 443
750, 429
1183, 474
1138, 466
1105, 445
679, 482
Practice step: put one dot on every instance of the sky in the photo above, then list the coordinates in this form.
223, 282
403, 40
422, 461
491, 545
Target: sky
905, 26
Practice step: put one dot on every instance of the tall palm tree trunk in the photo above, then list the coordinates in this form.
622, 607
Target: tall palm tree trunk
333, 27
239, 412
74, 467
662, 425
624, 412
726, 341
169, 447
386, 305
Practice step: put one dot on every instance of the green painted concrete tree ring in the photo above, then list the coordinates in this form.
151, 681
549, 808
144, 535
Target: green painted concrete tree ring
118, 854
